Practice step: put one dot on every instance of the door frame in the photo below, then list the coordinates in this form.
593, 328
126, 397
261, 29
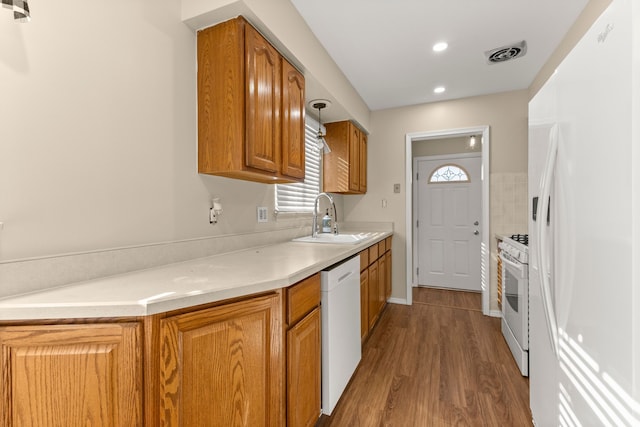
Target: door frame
485, 278
415, 189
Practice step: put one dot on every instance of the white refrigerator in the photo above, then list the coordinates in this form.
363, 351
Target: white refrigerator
584, 230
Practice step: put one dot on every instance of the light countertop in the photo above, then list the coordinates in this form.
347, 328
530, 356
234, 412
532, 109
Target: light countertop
184, 284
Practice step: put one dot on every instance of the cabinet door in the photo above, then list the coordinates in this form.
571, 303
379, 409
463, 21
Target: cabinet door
354, 158
373, 293
363, 163
71, 375
263, 127
293, 154
364, 303
335, 165
221, 98
223, 366
303, 371
382, 282
387, 282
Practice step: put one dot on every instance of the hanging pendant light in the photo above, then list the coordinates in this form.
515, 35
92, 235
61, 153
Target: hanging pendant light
322, 145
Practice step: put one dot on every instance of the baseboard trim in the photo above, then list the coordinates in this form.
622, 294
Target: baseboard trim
397, 301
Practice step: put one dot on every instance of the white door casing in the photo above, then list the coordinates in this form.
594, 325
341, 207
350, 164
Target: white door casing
449, 215
411, 206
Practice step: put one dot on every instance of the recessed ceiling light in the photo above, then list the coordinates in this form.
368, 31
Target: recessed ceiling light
439, 47
439, 89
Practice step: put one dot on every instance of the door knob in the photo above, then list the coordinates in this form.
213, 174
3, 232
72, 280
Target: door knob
476, 232
476, 223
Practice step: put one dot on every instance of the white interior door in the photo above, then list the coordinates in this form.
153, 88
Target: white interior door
449, 222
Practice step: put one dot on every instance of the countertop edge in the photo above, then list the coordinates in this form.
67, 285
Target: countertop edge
125, 308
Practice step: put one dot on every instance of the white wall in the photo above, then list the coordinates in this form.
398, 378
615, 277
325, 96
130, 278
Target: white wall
505, 113
98, 133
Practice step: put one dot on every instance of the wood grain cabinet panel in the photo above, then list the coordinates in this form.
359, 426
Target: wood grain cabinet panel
302, 298
250, 107
382, 282
354, 158
304, 352
363, 163
364, 304
387, 283
223, 366
375, 284
373, 294
293, 114
263, 88
364, 259
71, 375
304, 372
345, 168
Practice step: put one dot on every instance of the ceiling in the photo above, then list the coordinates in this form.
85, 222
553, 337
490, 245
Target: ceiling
384, 47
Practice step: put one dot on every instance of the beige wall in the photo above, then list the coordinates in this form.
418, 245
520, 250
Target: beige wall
505, 113
444, 146
98, 136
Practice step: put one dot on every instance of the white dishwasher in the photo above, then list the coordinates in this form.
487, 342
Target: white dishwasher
341, 348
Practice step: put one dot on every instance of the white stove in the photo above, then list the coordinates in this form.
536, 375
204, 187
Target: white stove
516, 247
514, 253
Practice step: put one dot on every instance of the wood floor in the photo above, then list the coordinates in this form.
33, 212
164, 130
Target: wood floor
439, 362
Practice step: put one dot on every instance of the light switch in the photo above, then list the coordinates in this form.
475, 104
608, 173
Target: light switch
262, 214
396, 188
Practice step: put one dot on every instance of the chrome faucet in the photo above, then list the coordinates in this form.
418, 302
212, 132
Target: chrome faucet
314, 227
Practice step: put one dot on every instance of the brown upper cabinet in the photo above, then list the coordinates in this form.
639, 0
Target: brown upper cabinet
345, 168
250, 107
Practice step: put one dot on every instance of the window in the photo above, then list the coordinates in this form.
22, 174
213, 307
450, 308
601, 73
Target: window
300, 197
449, 173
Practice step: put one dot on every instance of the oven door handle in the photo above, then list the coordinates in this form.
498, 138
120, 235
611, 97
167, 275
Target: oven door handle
519, 267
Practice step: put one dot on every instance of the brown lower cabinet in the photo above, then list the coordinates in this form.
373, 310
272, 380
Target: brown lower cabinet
303, 371
223, 366
71, 375
364, 303
252, 361
375, 284
304, 353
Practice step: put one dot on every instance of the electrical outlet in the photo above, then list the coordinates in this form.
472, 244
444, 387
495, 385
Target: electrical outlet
262, 214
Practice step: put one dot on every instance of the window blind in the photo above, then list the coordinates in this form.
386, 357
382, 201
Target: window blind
299, 197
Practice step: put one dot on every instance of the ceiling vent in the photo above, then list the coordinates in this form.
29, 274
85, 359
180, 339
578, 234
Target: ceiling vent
506, 53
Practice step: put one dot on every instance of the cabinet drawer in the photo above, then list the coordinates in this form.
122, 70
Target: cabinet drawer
382, 248
373, 253
364, 259
302, 297
388, 243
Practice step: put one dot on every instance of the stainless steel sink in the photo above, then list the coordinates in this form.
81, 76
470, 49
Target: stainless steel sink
340, 239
